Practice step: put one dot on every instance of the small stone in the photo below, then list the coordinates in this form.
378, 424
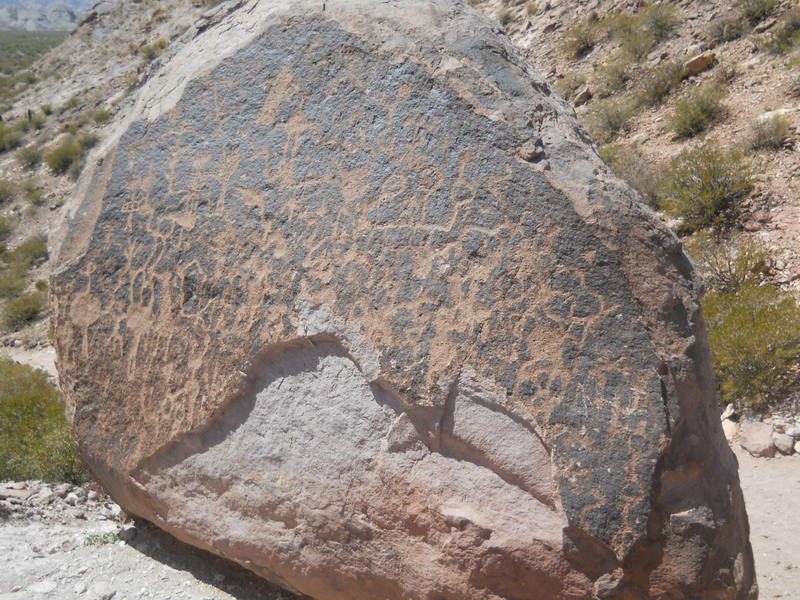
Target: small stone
92, 495
794, 431
43, 587
797, 447
728, 412
102, 591
698, 64
79, 588
762, 27
730, 429
531, 150
756, 438
784, 443
72, 499
583, 96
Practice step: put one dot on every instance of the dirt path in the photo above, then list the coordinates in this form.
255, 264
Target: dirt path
771, 489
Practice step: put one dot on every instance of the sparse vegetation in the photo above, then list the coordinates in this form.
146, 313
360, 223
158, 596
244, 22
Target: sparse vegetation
6, 227
29, 156
725, 29
609, 117
64, 156
570, 83
10, 137
756, 11
694, 113
769, 133
786, 35
101, 116
35, 442
23, 309
7, 191
150, 51
505, 17
580, 38
612, 76
638, 33
628, 163
704, 188
658, 83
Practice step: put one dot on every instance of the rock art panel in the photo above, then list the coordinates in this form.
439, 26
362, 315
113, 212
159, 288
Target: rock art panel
350, 299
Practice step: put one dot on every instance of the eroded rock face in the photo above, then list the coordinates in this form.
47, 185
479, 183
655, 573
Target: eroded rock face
350, 300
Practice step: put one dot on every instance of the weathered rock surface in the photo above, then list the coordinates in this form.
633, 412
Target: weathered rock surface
350, 299
757, 439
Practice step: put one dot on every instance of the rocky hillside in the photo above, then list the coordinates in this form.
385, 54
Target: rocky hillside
619, 72
39, 15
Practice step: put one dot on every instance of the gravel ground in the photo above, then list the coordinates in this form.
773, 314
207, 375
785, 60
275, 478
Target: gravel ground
771, 489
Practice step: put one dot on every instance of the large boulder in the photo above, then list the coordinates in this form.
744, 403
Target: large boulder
350, 299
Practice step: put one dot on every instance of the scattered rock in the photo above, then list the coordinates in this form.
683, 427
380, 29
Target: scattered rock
101, 591
699, 63
756, 438
784, 443
794, 431
764, 25
730, 428
583, 96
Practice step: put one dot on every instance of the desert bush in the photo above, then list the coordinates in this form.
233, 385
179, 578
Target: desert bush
29, 252
754, 336
10, 137
71, 103
756, 11
6, 227
613, 75
37, 121
769, 134
658, 83
101, 116
609, 117
569, 83
63, 156
697, 110
725, 29
46, 109
639, 33
34, 194
531, 8
505, 16
150, 51
12, 281
7, 190
23, 309
29, 156
628, 163
786, 35
659, 19
704, 187
728, 264
35, 442
580, 38
87, 141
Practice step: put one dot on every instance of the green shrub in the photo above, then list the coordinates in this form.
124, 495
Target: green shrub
37, 121
628, 163
697, 110
639, 33
42, 285
609, 117
580, 38
725, 29
101, 116
505, 17
659, 19
754, 335
70, 104
769, 134
728, 264
63, 156
35, 442
658, 83
150, 51
87, 141
756, 11
613, 75
34, 194
570, 83
531, 8
46, 109
12, 281
10, 137
28, 252
29, 156
6, 227
786, 35
7, 190
23, 309
704, 187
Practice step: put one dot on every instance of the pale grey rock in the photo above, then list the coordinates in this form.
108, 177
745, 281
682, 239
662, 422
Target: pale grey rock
784, 443
756, 438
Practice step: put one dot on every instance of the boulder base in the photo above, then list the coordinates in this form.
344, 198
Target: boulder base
351, 300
